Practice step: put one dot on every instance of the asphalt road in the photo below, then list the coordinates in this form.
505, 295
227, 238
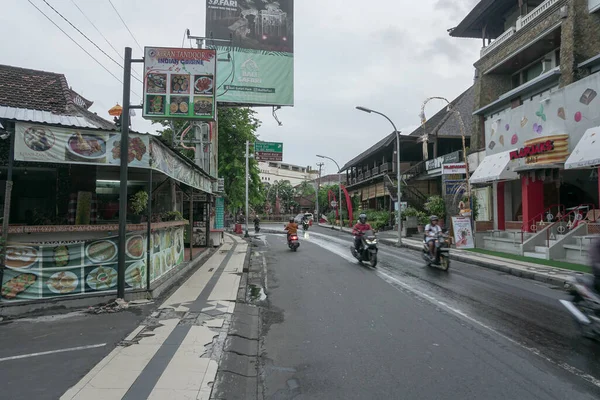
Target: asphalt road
336, 330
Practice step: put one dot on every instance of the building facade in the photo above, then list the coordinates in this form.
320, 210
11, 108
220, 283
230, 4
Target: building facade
271, 172
536, 83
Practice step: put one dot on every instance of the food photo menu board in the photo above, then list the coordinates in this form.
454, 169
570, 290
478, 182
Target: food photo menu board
35, 271
167, 251
179, 83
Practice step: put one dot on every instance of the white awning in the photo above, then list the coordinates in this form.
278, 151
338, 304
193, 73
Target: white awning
587, 151
494, 168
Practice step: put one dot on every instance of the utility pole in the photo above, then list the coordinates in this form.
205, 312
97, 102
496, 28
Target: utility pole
247, 151
320, 165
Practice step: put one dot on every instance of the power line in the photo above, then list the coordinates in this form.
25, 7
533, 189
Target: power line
80, 46
97, 30
85, 36
121, 18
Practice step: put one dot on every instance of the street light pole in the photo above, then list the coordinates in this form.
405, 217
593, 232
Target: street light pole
398, 174
247, 156
318, 188
339, 187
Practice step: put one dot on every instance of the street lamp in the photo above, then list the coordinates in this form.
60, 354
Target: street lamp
399, 176
339, 187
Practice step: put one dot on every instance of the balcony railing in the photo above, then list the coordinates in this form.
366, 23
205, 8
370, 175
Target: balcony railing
385, 167
522, 22
375, 171
367, 174
499, 40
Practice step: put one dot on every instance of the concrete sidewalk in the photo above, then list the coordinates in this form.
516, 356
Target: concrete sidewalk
174, 353
547, 274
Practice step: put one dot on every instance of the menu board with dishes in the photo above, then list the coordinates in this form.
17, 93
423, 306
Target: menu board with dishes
36, 271
43, 143
179, 83
167, 251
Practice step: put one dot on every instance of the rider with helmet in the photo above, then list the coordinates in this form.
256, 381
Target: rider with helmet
431, 231
291, 228
360, 228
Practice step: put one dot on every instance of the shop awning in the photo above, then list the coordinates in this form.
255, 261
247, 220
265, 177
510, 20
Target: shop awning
494, 167
587, 151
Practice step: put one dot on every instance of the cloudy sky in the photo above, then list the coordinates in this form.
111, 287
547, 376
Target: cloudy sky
388, 55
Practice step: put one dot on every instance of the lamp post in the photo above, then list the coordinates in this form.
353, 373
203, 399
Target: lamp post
339, 187
399, 176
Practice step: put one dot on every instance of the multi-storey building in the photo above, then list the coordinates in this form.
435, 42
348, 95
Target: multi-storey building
271, 172
536, 83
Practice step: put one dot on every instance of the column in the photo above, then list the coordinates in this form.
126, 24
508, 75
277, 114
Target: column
598, 204
532, 197
500, 211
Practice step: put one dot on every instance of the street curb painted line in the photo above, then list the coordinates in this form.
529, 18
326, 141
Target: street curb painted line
43, 353
481, 263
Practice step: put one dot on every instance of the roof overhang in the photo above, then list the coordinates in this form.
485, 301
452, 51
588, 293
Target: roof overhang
488, 14
587, 151
494, 168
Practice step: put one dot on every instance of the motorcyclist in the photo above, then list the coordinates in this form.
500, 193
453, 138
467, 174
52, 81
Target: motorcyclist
595, 261
431, 231
291, 228
359, 229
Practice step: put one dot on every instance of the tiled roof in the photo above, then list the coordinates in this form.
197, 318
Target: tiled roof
30, 90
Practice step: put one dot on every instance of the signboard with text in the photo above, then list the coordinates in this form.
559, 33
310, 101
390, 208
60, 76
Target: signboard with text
456, 168
268, 151
179, 83
463, 234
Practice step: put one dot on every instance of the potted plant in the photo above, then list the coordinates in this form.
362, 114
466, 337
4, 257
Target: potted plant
139, 202
423, 219
411, 216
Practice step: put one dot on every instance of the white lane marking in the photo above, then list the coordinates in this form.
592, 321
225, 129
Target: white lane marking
135, 332
43, 353
390, 279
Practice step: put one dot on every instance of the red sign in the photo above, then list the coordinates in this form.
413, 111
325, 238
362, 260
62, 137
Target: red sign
533, 150
268, 156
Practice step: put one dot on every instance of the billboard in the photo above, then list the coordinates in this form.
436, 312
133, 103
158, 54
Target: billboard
179, 83
256, 67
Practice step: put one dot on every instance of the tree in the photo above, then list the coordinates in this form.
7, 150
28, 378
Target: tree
167, 134
235, 127
305, 189
285, 191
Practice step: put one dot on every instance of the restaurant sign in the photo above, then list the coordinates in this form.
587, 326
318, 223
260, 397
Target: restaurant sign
457, 168
543, 150
179, 83
59, 145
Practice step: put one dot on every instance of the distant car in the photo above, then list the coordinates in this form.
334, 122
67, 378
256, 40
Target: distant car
298, 218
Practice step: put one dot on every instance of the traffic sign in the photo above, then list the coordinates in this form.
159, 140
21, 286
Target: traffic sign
268, 147
333, 203
268, 151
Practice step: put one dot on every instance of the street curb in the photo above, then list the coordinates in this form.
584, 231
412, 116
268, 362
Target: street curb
532, 275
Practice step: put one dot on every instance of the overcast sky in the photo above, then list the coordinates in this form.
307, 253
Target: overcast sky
388, 55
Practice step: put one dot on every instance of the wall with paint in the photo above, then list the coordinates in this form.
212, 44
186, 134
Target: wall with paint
570, 111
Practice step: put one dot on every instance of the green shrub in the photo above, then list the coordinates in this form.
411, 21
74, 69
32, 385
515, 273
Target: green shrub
436, 206
172, 216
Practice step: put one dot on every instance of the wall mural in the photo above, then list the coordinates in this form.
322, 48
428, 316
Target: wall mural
567, 111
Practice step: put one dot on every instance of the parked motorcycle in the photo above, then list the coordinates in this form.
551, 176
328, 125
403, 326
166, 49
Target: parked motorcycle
441, 251
585, 306
367, 251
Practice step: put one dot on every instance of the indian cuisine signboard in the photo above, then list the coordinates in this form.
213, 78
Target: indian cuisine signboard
41, 143
259, 62
35, 271
179, 83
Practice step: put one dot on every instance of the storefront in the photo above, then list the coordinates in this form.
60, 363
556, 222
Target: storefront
535, 152
63, 214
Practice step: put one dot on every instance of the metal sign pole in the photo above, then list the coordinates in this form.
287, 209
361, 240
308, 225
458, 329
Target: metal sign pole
247, 151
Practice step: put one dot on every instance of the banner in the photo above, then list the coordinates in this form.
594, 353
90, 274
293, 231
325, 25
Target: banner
463, 235
40, 271
179, 83
257, 66
41, 143
219, 213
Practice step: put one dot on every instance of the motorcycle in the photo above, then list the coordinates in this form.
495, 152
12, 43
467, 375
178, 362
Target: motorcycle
305, 225
442, 252
367, 251
293, 242
257, 227
585, 306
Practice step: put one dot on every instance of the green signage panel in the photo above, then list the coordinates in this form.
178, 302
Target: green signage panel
268, 147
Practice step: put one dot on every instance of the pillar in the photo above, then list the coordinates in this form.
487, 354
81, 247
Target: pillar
500, 212
598, 204
532, 196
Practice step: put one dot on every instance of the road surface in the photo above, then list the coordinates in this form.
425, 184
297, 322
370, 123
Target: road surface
333, 329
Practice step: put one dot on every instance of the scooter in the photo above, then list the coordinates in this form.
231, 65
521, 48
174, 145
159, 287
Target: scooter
293, 242
441, 251
585, 306
367, 251
305, 225
257, 227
